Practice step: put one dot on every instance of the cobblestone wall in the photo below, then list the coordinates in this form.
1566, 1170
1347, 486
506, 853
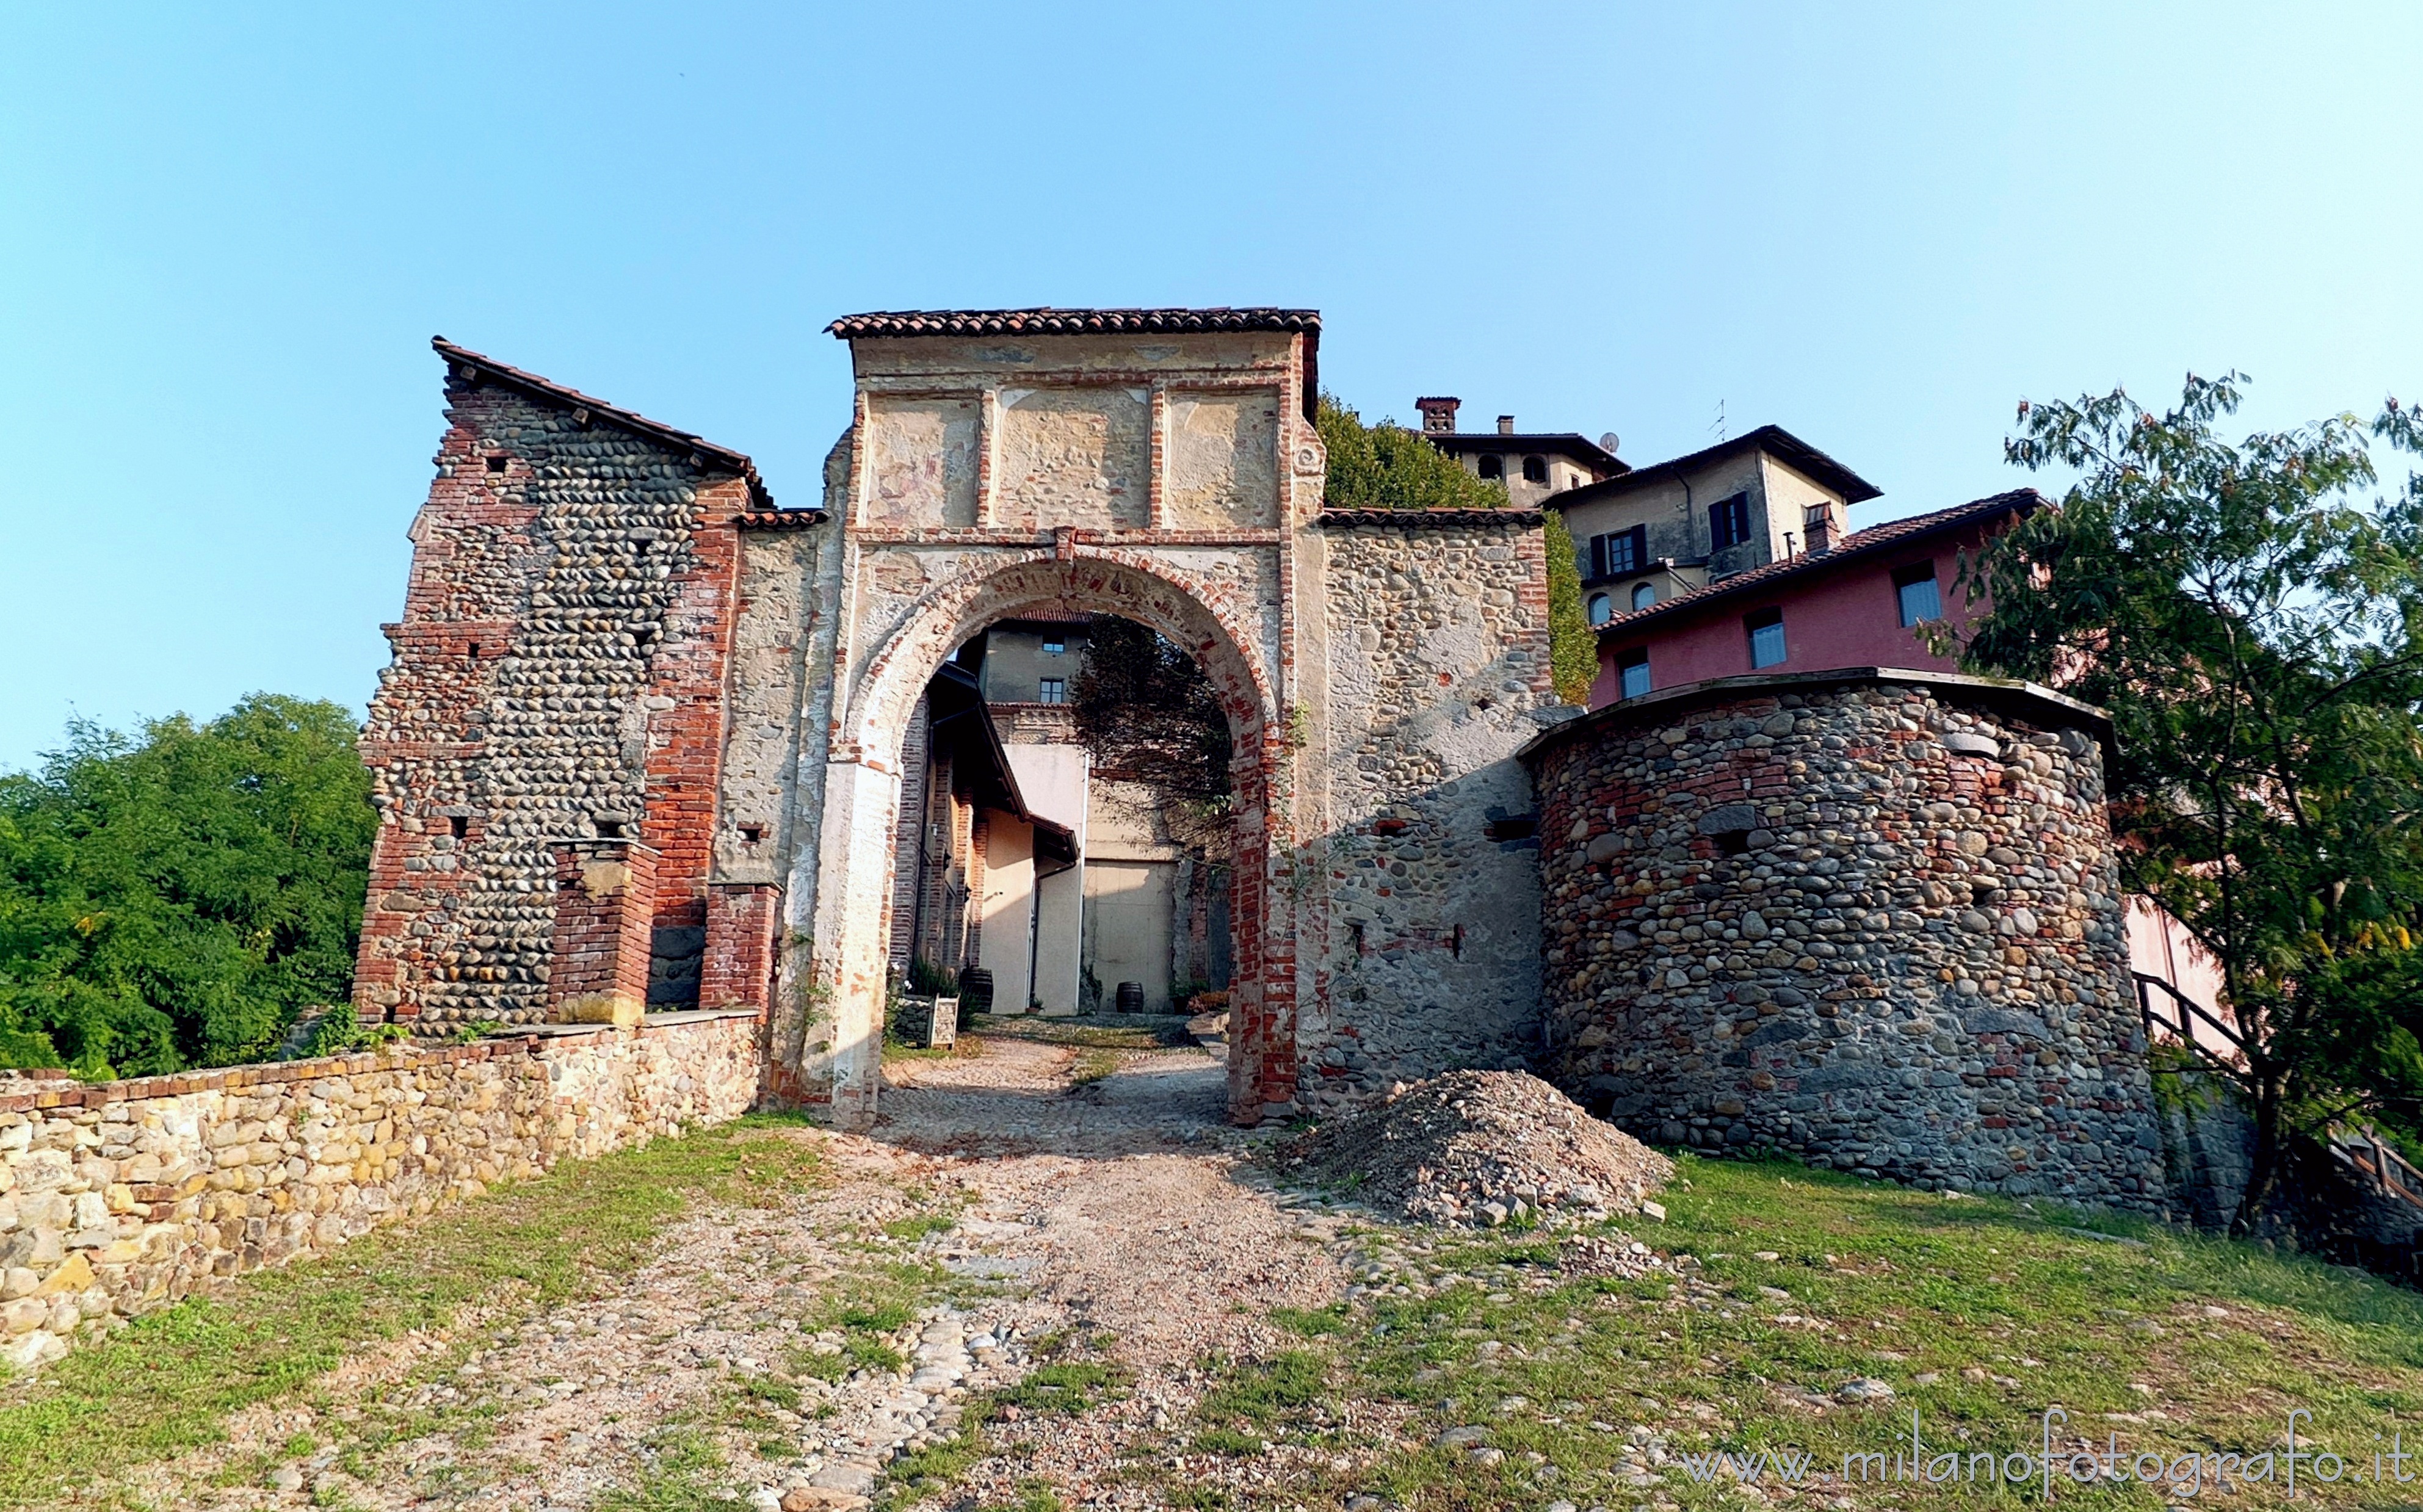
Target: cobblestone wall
125, 1196
557, 675
1871, 920
1425, 952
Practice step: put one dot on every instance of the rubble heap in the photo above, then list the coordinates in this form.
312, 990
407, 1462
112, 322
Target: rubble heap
1480, 1147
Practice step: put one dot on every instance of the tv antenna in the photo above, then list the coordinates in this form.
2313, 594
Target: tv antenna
1719, 426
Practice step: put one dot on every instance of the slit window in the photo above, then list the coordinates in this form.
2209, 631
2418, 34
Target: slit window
1052, 690
1916, 595
1729, 522
459, 826
1493, 466
1632, 672
1765, 630
1535, 469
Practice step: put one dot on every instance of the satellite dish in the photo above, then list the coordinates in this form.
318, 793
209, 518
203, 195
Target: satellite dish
1607, 442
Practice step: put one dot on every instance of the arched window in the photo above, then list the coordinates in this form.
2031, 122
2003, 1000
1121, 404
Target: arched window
1602, 608
1493, 466
1535, 469
1643, 595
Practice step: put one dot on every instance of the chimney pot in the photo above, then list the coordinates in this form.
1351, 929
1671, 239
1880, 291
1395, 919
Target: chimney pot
1506, 425
1438, 414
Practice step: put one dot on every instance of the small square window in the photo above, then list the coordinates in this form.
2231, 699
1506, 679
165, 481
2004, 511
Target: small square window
459, 826
1765, 637
1916, 594
1632, 672
496, 463
1054, 646
1052, 691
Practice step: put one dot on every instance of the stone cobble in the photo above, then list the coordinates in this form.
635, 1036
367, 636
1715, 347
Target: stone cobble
1877, 925
123, 1197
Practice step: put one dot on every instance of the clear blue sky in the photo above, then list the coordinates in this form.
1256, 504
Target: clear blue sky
227, 232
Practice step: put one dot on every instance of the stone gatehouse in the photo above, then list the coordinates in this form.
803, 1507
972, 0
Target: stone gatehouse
651, 739
641, 741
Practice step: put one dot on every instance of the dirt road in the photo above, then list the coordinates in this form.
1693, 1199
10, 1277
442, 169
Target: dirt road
1103, 1227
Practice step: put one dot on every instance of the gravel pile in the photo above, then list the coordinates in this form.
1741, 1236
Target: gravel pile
1479, 1147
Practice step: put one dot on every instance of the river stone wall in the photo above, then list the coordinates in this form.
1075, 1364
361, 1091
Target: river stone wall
1422, 933
1873, 920
124, 1196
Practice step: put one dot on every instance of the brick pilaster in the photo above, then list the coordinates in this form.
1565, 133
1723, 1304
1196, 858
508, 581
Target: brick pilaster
605, 904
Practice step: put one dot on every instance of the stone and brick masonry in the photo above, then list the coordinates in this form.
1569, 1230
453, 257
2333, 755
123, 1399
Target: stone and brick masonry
1871, 919
123, 1196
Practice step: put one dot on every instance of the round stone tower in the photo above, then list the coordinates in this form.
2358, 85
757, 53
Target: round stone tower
1869, 918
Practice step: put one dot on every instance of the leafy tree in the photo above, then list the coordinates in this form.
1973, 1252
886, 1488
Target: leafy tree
1573, 646
1386, 467
1150, 717
179, 899
2253, 627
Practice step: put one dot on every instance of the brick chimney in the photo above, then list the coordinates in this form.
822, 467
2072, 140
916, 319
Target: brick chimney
1438, 414
1822, 530
1506, 425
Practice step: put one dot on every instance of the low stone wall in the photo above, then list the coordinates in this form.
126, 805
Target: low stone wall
123, 1196
1872, 919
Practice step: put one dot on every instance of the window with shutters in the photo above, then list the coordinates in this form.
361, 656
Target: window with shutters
1765, 630
1729, 522
1619, 551
1632, 672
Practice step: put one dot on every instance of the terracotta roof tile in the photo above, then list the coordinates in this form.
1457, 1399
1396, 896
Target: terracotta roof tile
1422, 519
1044, 319
1875, 537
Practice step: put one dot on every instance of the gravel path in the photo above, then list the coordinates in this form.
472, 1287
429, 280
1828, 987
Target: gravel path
1114, 1210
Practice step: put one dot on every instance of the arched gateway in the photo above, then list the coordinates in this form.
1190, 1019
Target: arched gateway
677, 775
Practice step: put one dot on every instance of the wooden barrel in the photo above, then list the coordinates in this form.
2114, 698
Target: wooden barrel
1131, 997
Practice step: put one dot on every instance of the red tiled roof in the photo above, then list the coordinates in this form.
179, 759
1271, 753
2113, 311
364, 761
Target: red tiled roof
531, 383
1858, 543
1044, 319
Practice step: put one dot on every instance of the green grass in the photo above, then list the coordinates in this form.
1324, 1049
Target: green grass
167, 1382
1091, 1065
680, 1477
1978, 1313
1067, 1387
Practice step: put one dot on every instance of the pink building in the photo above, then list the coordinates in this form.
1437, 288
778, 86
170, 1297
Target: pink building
1860, 604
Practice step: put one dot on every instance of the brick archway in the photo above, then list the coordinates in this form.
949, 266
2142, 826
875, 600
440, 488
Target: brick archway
862, 787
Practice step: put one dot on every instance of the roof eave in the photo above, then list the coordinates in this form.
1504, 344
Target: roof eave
706, 452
